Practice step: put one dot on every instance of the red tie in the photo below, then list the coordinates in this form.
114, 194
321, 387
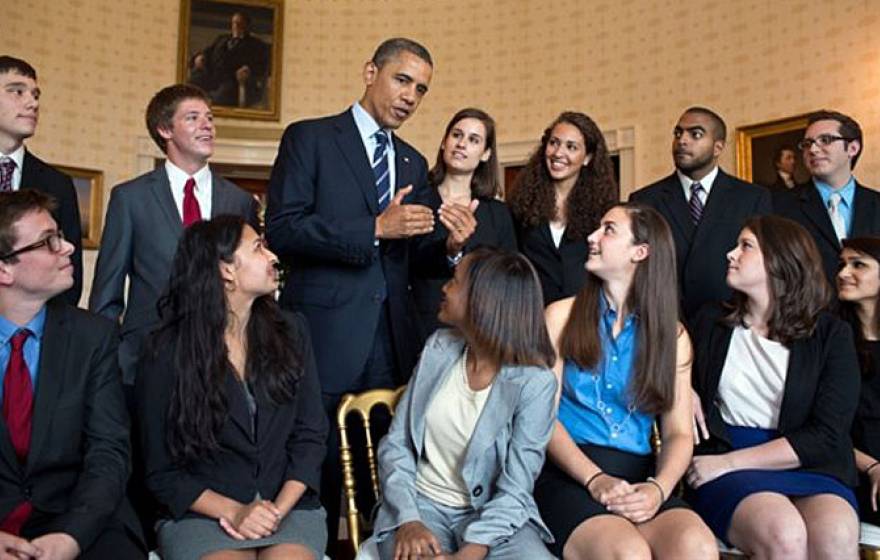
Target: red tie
191, 211
18, 403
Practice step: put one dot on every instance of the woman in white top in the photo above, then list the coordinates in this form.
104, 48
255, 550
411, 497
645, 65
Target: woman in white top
467, 441
779, 379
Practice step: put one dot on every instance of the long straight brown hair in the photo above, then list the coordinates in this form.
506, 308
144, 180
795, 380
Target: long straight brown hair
652, 298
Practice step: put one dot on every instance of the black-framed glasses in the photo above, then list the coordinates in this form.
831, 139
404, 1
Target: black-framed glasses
54, 241
823, 140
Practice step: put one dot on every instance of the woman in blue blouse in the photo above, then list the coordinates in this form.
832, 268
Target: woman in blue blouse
623, 361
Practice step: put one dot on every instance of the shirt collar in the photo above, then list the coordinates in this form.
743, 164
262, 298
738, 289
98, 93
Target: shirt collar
35, 325
17, 156
177, 176
609, 314
706, 182
366, 124
847, 192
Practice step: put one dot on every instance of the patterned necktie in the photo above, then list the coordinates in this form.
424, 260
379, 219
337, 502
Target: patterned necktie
18, 404
7, 168
836, 217
696, 203
380, 169
192, 213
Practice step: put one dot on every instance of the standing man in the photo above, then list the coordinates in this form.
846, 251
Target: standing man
64, 438
342, 208
704, 206
20, 169
832, 205
146, 217
784, 160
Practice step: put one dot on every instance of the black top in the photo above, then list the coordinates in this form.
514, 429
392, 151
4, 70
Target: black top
866, 426
430, 269
560, 269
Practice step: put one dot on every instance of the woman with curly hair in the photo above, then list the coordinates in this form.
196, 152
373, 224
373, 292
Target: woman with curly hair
558, 198
230, 409
779, 378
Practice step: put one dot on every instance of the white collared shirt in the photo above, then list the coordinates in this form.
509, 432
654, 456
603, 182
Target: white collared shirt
367, 127
706, 182
18, 157
178, 177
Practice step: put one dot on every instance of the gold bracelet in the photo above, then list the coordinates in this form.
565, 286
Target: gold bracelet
653, 481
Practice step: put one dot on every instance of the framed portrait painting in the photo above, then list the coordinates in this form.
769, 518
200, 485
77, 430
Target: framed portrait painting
89, 184
765, 149
232, 50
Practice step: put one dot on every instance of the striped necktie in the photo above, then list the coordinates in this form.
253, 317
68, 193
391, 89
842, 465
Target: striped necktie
380, 169
696, 203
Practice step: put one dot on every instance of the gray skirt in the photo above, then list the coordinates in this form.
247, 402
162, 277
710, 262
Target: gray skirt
192, 538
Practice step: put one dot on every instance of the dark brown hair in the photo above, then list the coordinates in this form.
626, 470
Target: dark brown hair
505, 308
484, 183
795, 279
163, 105
12, 64
847, 127
533, 200
869, 247
652, 298
13, 207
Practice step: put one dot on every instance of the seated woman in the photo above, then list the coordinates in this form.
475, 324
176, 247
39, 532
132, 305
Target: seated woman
858, 288
779, 378
558, 198
465, 184
230, 408
468, 438
623, 362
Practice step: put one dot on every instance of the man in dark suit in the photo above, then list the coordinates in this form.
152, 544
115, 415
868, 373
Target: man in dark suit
340, 214
832, 205
20, 169
704, 206
146, 217
64, 438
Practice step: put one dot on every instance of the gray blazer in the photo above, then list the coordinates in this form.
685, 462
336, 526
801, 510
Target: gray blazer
503, 458
140, 237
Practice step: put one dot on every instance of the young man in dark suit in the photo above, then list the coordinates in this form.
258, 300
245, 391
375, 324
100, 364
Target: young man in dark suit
20, 169
64, 434
704, 206
832, 205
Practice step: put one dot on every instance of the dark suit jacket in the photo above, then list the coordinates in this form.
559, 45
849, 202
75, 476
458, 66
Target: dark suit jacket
430, 268
701, 251
289, 443
140, 238
78, 464
561, 270
320, 221
821, 392
38, 175
804, 205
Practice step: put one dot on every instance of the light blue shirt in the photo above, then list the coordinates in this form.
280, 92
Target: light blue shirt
595, 405
847, 194
31, 346
368, 127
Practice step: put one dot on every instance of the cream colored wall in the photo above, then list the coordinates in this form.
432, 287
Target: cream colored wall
624, 62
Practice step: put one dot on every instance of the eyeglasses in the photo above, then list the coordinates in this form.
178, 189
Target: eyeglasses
55, 242
823, 140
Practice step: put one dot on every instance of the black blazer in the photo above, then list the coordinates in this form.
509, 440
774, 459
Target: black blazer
701, 251
804, 205
821, 392
289, 443
320, 221
561, 270
39, 175
78, 464
429, 267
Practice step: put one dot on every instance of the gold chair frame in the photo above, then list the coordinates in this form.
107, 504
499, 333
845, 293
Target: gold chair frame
363, 404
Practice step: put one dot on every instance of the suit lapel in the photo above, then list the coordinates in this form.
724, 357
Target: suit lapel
238, 408
30, 172
677, 207
864, 208
219, 197
161, 189
722, 196
503, 396
814, 210
446, 350
403, 173
352, 149
790, 394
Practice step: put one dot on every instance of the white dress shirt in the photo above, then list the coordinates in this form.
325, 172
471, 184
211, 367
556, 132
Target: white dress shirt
178, 177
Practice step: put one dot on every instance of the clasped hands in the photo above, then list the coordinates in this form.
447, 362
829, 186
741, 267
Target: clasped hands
637, 502
255, 520
52, 546
413, 540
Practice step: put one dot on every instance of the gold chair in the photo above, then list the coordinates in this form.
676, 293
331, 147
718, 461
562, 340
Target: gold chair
363, 404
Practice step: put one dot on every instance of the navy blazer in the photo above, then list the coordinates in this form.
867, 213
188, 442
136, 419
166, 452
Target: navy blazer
701, 251
821, 392
320, 221
502, 460
560, 269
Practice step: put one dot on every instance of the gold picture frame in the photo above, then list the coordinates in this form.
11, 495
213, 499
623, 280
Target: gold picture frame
757, 143
89, 184
212, 51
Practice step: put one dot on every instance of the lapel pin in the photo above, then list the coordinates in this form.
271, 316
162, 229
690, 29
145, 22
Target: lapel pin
405, 159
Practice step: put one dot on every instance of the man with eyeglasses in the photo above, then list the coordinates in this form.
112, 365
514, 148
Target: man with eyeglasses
64, 447
832, 205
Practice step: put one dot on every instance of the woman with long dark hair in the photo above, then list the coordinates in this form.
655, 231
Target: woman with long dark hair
858, 289
230, 409
558, 198
623, 362
467, 441
779, 378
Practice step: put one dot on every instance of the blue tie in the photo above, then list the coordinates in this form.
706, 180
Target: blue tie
380, 169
